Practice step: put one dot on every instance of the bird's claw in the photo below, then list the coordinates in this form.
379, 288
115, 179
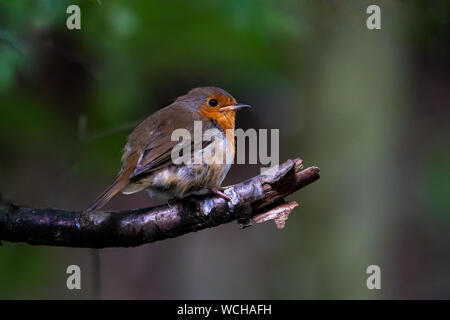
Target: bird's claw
219, 193
170, 202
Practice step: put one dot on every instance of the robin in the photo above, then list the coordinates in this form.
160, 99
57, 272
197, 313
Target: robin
148, 162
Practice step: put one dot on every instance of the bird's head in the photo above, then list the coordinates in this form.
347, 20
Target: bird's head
214, 103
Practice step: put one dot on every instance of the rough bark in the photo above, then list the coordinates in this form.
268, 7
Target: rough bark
258, 199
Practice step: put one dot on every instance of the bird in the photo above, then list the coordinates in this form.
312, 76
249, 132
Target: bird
148, 163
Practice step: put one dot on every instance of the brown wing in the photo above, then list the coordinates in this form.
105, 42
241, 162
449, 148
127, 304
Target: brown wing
155, 152
148, 148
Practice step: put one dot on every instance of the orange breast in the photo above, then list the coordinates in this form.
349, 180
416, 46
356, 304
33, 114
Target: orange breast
226, 121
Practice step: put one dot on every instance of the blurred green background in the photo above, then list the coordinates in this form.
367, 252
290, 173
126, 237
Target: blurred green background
371, 108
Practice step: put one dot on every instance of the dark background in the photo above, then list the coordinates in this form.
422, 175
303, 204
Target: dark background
371, 108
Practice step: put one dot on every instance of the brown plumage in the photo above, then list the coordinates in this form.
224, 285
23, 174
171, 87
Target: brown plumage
147, 157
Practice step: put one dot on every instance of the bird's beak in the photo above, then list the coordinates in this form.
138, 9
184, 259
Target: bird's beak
235, 107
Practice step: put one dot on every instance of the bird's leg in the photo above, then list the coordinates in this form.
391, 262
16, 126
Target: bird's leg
224, 188
219, 193
170, 202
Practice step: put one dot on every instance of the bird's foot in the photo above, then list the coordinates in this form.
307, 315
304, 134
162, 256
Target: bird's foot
170, 202
219, 193
243, 213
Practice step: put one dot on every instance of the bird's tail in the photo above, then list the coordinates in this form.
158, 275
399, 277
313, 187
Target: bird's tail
118, 184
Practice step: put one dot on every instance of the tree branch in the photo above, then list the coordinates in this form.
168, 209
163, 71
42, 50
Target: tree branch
258, 199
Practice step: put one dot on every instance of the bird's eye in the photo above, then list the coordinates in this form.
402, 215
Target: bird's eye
213, 102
